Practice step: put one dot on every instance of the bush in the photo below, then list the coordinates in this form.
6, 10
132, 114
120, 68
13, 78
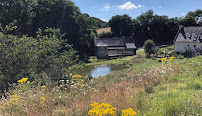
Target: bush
105, 35
149, 47
24, 56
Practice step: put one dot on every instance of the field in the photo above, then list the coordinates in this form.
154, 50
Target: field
101, 30
149, 87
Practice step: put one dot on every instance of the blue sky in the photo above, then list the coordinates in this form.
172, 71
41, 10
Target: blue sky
105, 9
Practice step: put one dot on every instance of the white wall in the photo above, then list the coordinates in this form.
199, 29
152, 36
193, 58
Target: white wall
180, 46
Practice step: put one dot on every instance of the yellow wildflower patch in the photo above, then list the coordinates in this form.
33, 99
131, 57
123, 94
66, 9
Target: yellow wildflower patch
13, 99
172, 58
43, 86
102, 109
22, 80
43, 98
164, 59
128, 112
28, 82
77, 75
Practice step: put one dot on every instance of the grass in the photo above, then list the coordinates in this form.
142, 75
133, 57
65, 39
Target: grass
149, 87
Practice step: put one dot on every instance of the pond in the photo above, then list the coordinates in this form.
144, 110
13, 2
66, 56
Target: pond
100, 70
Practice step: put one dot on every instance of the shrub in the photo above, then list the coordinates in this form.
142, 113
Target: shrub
149, 47
105, 35
22, 57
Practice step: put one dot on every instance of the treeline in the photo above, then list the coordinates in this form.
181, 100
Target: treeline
79, 29
149, 26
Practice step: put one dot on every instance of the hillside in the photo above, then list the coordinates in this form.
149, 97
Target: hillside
149, 87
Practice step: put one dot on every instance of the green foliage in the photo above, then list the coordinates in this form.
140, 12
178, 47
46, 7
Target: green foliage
105, 35
193, 18
63, 14
155, 27
149, 47
121, 25
29, 57
189, 21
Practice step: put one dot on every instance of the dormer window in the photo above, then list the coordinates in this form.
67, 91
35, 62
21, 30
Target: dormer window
200, 37
195, 38
189, 36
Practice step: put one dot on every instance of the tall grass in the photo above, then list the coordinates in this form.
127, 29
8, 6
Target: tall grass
147, 86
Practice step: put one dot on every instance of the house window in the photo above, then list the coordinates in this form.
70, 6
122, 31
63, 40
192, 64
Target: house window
194, 45
189, 36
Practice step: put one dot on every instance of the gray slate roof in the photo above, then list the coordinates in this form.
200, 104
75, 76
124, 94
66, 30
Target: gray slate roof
109, 42
127, 42
189, 34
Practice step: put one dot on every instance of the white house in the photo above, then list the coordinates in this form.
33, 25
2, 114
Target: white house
189, 39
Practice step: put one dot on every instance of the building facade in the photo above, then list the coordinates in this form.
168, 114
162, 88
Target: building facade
114, 47
189, 39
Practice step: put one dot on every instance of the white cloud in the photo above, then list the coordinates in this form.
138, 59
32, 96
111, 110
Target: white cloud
183, 14
107, 7
129, 5
103, 19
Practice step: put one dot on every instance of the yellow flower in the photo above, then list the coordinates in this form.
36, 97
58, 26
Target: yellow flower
102, 109
13, 98
172, 58
43, 86
43, 98
22, 80
77, 75
128, 112
28, 82
163, 59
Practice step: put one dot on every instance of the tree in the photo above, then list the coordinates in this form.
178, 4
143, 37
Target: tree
149, 47
63, 14
158, 28
29, 57
121, 25
189, 21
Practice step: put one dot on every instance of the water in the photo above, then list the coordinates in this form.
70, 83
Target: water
100, 70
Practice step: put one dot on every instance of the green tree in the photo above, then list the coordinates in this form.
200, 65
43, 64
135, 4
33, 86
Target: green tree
121, 25
149, 47
29, 57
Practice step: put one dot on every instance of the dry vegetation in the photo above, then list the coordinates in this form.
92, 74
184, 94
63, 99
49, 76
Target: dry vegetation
150, 88
104, 30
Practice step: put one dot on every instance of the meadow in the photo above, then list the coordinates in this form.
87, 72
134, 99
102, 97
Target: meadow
146, 88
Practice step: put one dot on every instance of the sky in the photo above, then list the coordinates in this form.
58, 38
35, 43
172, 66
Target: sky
105, 9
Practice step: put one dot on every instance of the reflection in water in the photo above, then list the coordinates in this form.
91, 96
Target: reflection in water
101, 70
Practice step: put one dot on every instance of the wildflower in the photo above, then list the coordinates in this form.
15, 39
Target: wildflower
22, 80
102, 110
164, 59
77, 75
128, 112
43, 98
28, 82
13, 98
43, 86
172, 58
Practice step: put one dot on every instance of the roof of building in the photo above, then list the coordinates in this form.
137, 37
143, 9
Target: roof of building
189, 34
109, 42
117, 42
